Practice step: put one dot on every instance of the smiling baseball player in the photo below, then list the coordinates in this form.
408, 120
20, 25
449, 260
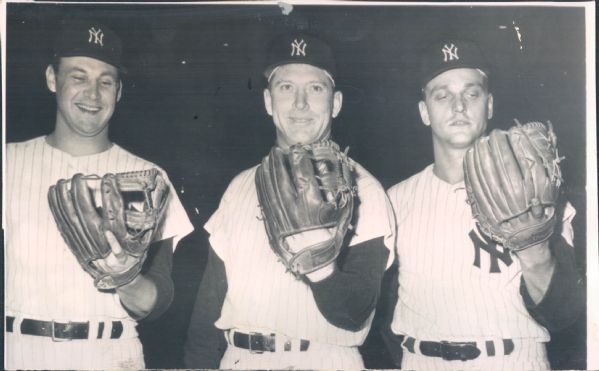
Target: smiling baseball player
467, 301
56, 318
274, 294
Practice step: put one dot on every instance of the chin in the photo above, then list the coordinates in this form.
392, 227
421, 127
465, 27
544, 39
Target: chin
303, 140
464, 142
91, 132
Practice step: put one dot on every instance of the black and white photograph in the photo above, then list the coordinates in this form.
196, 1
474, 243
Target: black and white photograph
299, 185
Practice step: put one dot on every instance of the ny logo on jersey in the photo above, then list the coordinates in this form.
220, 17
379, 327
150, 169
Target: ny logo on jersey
450, 53
298, 48
96, 36
493, 250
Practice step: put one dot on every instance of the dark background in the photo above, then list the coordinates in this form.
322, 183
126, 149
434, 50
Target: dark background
192, 103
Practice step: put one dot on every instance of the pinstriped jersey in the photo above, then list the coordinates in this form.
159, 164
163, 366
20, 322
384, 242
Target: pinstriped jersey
454, 284
261, 295
43, 278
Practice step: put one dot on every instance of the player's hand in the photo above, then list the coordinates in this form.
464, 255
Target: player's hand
117, 261
300, 241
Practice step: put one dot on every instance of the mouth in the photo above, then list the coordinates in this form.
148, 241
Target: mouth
88, 108
459, 123
300, 120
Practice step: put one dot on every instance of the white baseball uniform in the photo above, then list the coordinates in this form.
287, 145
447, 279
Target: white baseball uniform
262, 297
454, 286
45, 282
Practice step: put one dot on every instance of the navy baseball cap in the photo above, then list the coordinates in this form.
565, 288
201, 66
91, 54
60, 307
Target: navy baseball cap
89, 39
299, 48
446, 55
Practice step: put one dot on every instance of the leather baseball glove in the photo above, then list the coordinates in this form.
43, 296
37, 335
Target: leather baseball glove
512, 179
310, 188
131, 207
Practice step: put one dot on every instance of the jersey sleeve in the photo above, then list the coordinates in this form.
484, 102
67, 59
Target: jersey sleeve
349, 295
218, 226
158, 268
374, 215
567, 230
564, 299
176, 224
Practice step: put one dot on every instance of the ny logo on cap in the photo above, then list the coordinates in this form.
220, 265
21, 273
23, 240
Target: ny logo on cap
95, 36
298, 48
450, 53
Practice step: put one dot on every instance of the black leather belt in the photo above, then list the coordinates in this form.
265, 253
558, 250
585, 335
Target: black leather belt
452, 351
63, 331
260, 343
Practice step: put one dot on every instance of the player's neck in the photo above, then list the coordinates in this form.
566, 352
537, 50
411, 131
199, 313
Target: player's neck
76, 145
448, 164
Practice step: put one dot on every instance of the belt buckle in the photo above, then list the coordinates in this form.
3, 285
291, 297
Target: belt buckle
453, 351
57, 339
252, 336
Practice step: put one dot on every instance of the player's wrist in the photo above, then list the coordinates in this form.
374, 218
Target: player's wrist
139, 296
322, 273
537, 257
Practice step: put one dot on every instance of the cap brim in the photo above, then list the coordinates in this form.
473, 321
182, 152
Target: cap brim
87, 53
270, 69
425, 80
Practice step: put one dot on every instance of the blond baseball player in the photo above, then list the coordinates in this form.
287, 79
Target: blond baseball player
466, 302
55, 318
254, 312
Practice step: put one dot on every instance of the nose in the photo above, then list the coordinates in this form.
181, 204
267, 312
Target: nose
459, 104
301, 101
93, 90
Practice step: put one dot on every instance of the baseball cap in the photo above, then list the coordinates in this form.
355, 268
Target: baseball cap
446, 55
89, 39
299, 48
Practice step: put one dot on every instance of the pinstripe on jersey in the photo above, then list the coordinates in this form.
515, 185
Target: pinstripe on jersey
445, 291
263, 297
43, 278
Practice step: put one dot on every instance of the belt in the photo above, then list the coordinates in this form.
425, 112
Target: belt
260, 343
452, 351
63, 331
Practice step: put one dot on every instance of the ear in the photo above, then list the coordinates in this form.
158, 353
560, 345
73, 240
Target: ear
51, 78
268, 101
119, 91
337, 103
490, 107
424, 113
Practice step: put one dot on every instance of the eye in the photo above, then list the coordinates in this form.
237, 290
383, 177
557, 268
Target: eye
78, 78
285, 87
317, 88
440, 96
107, 83
473, 93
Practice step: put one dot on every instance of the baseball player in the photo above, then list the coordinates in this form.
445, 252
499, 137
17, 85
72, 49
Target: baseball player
252, 309
465, 302
55, 318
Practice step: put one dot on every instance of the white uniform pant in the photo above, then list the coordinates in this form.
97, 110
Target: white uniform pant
40, 352
527, 355
316, 357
